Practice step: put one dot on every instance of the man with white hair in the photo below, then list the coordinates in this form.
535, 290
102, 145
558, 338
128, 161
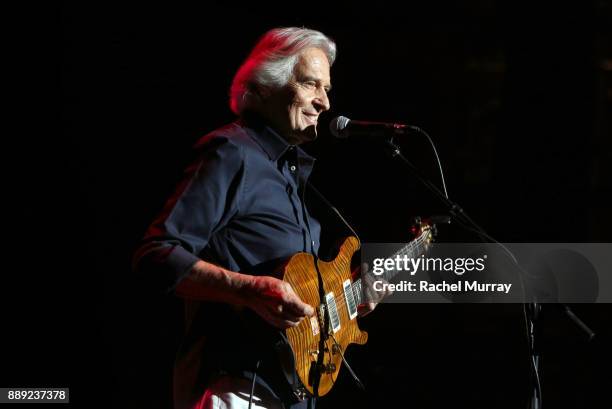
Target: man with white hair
239, 210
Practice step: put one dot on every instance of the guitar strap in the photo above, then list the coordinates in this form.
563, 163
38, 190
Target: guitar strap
333, 209
282, 346
325, 326
287, 363
324, 334
322, 294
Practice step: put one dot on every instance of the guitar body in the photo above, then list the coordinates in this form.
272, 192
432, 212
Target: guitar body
319, 360
314, 348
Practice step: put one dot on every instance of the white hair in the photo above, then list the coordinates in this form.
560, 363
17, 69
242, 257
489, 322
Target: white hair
271, 63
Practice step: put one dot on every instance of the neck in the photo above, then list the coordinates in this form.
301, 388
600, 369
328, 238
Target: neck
413, 249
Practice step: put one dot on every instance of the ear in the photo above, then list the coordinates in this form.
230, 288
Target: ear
260, 93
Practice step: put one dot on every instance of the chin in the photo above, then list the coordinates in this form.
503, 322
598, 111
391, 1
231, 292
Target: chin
307, 134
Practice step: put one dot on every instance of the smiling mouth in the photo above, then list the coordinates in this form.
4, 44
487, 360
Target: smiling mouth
312, 118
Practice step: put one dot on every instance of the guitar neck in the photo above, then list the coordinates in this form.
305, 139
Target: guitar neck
413, 249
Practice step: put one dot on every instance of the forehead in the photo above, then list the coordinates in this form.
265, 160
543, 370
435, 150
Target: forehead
313, 62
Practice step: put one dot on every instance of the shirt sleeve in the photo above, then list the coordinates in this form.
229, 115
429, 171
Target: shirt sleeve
203, 203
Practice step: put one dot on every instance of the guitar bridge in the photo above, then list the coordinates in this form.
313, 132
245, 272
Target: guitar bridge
321, 319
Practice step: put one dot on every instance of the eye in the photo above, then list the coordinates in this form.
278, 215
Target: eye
310, 84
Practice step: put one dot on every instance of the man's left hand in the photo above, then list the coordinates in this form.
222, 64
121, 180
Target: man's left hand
372, 297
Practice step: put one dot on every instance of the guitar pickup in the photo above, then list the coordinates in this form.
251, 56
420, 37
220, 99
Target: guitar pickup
332, 311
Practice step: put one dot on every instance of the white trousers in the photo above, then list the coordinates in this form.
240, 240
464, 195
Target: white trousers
228, 392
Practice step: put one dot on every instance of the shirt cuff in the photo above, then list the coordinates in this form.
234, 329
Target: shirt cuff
181, 262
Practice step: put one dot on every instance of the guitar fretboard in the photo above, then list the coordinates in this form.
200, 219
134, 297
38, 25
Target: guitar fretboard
413, 249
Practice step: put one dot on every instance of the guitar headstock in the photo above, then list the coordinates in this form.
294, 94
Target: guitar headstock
426, 229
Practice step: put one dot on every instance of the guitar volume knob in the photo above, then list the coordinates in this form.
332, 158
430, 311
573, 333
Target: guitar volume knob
330, 368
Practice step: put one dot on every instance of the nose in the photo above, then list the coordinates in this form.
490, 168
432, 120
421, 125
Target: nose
321, 101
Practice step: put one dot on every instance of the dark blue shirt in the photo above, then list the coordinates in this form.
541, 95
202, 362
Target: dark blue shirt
241, 206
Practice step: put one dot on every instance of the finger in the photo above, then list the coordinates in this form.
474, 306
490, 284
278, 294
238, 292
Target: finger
280, 311
299, 308
363, 309
288, 323
296, 306
290, 316
280, 322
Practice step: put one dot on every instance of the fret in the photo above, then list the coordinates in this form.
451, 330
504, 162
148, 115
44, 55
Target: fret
413, 249
356, 286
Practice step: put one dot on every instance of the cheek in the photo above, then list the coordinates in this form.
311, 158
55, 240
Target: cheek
296, 107
301, 99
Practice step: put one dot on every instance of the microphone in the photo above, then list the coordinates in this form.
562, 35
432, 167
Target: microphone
342, 127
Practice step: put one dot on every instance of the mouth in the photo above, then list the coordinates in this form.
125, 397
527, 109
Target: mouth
311, 118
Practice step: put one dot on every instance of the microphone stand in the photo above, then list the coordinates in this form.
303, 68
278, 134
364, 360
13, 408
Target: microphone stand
532, 309
533, 312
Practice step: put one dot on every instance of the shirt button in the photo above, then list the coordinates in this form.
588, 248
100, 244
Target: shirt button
292, 168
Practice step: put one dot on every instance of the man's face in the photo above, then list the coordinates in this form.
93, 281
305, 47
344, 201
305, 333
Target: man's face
294, 110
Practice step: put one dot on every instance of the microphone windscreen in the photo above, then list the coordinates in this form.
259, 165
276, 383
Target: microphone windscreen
337, 125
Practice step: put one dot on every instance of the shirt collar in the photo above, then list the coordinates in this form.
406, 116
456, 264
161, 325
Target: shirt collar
270, 141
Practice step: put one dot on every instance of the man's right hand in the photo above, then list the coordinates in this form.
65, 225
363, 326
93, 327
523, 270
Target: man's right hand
276, 302
273, 299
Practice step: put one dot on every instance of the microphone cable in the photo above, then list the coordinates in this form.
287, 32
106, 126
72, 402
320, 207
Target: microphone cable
435, 151
466, 222
479, 231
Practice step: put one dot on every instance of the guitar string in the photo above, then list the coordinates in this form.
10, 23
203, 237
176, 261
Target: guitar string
406, 250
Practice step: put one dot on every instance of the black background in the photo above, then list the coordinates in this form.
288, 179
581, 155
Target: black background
517, 97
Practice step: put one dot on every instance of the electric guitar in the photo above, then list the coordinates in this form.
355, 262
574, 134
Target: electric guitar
318, 343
